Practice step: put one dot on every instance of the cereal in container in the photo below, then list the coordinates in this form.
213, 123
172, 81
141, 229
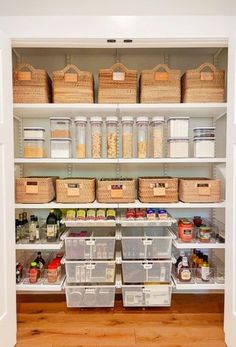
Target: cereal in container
142, 131
111, 123
96, 137
157, 138
81, 124
127, 137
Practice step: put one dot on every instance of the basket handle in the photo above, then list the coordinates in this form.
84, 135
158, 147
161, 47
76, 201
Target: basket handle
23, 75
161, 66
71, 76
161, 75
119, 67
70, 67
20, 67
209, 65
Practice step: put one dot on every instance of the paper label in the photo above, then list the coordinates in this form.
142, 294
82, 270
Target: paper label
73, 189
32, 188
159, 191
203, 189
109, 274
207, 76
118, 76
71, 77
24, 76
161, 76
117, 191
51, 230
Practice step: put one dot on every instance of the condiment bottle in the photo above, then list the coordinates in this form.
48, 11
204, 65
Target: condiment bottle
205, 270
52, 273
32, 229
184, 271
197, 220
52, 227
19, 272
185, 230
37, 230
33, 272
40, 261
204, 233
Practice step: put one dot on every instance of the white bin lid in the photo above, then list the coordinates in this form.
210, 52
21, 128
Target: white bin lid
96, 119
158, 119
177, 118
34, 128
81, 119
127, 119
142, 119
112, 119
178, 139
198, 138
204, 128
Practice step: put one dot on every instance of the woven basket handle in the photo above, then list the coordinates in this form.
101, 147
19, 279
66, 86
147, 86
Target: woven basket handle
161, 66
161, 75
22, 75
70, 67
209, 65
118, 67
70, 76
20, 67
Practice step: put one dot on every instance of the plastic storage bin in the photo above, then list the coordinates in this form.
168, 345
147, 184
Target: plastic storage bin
34, 148
127, 137
97, 244
146, 243
178, 148
142, 137
111, 124
136, 271
81, 125
204, 147
90, 272
157, 136
96, 137
90, 296
153, 295
178, 127
34, 133
204, 132
60, 127
61, 148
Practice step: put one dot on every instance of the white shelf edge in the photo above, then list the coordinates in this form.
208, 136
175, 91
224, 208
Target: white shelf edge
96, 223
198, 245
196, 286
40, 287
53, 205
138, 204
40, 246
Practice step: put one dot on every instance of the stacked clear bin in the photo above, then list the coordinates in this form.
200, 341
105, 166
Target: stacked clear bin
90, 267
146, 266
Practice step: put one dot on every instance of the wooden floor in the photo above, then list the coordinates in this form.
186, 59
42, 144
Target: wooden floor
192, 321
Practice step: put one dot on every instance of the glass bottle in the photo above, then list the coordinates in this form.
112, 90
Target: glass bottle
32, 229
20, 228
37, 231
205, 269
52, 227
184, 271
40, 261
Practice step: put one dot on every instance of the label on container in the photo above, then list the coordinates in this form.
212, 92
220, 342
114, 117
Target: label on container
73, 189
117, 191
32, 188
71, 77
118, 76
203, 189
109, 274
206, 76
51, 230
205, 273
24, 76
161, 76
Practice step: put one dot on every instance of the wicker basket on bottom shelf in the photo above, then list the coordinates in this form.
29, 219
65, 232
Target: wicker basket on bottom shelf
158, 189
35, 190
78, 190
199, 190
116, 190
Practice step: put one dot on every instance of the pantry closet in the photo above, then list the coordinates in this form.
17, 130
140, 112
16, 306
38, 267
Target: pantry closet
125, 256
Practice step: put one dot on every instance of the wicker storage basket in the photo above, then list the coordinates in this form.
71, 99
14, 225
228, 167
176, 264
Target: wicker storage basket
31, 85
116, 190
160, 86
117, 85
35, 190
78, 190
70, 85
199, 190
201, 86
158, 189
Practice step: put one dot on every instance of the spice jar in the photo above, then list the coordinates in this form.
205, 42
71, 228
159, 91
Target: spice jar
157, 125
81, 123
127, 137
52, 272
197, 220
204, 233
130, 213
185, 229
96, 137
142, 130
111, 123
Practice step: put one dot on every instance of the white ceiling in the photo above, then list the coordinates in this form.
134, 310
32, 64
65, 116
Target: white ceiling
116, 7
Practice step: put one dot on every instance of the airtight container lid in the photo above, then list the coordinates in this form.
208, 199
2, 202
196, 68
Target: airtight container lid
34, 128
142, 119
61, 118
158, 119
127, 119
204, 128
96, 119
196, 138
60, 139
177, 118
33, 139
178, 139
80, 119
112, 119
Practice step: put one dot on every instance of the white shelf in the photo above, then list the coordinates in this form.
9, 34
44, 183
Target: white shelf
41, 287
120, 161
188, 109
53, 205
198, 245
147, 223
40, 246
138, 204
89, 223
198, 286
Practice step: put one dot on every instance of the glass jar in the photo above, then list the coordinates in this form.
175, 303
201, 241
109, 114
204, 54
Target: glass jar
157, 138
111, 124
34, 148
61, 148
81, 123
60, 127
127, 137
142, 133
96, 137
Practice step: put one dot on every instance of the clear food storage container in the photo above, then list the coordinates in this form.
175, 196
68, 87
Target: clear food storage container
96, 137
61, 148
111, 124
34, 148
60, 127
127, 137
142, 134
204, 147
157, 136
34, 133
81, 125
204, 132
178, 127
178, 148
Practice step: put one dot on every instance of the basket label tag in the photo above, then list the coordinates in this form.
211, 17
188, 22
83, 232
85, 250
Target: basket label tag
207, 76
118, 76
32, 188
71, 77
117, 190
203, 189
24, 76
161, 76
159, 191
73, 189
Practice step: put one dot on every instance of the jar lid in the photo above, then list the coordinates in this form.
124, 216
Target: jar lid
127, 119
60, 139
33, 139
112, 119
60, 118
178, 139
80, 119
198, 138
160, 119
96, 119
172, 118
142, 119
34, 128
204, 128
52, 266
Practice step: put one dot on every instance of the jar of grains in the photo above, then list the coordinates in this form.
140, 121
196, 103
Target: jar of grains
142, 133
112, 123
81, 123
127, 137
96, 137
157, 125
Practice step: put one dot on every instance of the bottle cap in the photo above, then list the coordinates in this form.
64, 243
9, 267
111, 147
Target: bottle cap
34, 263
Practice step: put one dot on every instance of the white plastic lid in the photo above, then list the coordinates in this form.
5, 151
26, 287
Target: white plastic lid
127, 119
204, 128
177, 118
33, 139
178, 139
142, 119
199, 138
34, 128
112, 119
96, 119
159, 119
80, 119
61, 118
60, 139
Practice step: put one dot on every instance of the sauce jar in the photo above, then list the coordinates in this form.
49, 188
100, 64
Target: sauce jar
162, 214
197, 220
185, 230
130, 213
204, 233
151, 213
140, 213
